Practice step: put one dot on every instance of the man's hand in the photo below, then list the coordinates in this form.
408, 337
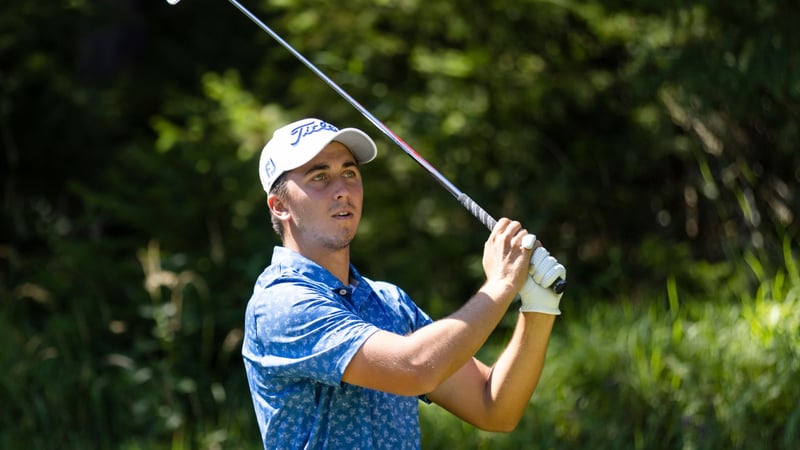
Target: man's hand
535, 295
505, 261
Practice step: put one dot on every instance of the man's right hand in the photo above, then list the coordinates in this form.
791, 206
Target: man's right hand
505, 261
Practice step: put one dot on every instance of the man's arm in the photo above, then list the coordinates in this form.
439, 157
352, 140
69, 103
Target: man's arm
418, 363
494, 398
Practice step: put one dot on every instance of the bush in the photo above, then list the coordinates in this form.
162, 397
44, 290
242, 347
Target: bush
720, 373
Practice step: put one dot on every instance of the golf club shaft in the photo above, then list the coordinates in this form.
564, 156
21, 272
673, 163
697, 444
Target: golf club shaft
462, 198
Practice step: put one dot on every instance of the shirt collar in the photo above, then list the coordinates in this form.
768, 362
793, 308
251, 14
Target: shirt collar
307, 268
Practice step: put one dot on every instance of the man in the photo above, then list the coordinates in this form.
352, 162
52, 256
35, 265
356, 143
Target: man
338, 361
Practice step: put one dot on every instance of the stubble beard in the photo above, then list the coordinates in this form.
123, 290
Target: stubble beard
337, 244
339, 239
335, 239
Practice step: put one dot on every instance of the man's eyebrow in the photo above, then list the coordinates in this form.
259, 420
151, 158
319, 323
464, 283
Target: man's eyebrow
317, 167
324, 166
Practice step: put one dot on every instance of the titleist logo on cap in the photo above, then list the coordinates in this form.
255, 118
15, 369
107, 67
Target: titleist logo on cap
310, 128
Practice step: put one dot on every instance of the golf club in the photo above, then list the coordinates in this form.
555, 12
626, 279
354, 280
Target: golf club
558, 286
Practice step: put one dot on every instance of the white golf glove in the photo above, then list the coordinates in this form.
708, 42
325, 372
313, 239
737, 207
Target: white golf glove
535, 294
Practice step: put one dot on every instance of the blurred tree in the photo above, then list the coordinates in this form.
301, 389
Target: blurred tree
637, 141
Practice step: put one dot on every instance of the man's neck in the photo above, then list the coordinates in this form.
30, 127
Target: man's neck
337, 262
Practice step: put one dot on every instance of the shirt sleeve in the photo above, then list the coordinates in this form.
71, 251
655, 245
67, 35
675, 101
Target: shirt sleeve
302, 332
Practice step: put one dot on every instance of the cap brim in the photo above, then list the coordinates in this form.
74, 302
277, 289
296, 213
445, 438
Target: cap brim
359, 143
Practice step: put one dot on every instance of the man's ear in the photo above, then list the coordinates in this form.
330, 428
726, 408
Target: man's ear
277, 206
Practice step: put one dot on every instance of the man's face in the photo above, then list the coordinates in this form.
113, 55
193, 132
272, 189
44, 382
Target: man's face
324, 199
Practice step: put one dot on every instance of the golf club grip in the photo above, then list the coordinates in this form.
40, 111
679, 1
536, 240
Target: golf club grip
558, 286
477, 211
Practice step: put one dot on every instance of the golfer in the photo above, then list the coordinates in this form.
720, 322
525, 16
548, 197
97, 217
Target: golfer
336, 360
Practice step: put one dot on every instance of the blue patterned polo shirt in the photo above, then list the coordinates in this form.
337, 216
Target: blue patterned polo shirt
302, 327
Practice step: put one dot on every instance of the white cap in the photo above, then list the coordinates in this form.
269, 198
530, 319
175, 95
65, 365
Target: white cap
299, 142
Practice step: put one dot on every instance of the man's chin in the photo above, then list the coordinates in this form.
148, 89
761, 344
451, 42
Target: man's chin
338, 243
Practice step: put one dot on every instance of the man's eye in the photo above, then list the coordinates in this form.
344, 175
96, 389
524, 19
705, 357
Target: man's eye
319, 177
349, 173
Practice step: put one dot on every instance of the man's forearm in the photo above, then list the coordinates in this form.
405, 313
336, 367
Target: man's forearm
449, 343
418, 363
516, 373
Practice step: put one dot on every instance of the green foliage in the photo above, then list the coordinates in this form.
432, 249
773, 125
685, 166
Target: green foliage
668, 374
651, 146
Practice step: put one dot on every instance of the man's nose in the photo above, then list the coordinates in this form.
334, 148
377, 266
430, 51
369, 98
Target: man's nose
340, 188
